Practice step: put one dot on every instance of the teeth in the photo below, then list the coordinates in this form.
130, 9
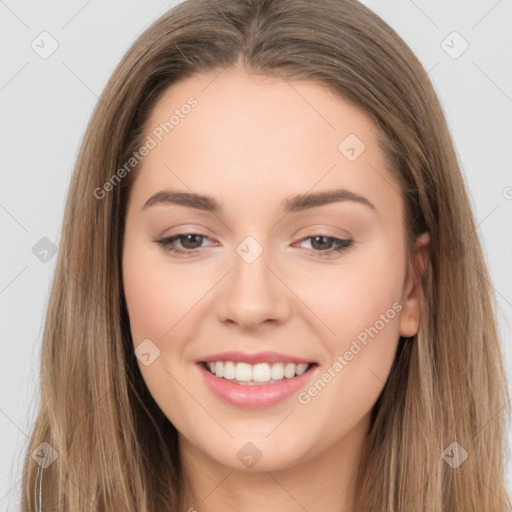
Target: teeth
261, 372
229, 370
289, 370
277, 372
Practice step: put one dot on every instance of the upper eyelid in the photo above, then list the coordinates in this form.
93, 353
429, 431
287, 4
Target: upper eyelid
320, 231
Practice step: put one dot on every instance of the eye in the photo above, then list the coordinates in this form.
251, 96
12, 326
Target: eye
327, 245
191, 242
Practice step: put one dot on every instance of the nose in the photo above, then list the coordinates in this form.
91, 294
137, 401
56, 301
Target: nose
253, 293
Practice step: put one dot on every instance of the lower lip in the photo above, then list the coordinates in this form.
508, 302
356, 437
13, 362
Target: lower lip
258, 395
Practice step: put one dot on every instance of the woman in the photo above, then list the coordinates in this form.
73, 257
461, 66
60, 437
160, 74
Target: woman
326, 348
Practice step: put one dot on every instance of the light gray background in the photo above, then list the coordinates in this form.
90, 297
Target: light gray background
46, 103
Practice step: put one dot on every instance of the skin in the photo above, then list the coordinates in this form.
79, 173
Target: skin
251, 142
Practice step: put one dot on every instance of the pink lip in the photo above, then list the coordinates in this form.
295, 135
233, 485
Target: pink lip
256, 396
259, 357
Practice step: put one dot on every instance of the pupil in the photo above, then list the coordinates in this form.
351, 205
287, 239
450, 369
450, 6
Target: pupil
322, 246
186, 237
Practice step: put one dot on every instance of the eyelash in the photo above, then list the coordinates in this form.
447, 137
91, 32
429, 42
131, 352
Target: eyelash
166, 243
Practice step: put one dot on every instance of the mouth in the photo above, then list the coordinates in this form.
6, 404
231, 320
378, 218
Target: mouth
259, 374
248, 386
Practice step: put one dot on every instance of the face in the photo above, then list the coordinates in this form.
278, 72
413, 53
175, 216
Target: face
267, 268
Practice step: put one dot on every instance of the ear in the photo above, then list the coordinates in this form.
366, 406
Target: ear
412, 293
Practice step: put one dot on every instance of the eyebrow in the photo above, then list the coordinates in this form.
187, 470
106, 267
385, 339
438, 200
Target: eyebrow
292, 204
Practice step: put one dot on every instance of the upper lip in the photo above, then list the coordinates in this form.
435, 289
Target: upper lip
255, 358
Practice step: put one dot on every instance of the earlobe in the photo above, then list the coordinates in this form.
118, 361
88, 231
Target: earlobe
412, 293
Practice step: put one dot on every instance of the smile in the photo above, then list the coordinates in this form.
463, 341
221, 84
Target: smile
254, 386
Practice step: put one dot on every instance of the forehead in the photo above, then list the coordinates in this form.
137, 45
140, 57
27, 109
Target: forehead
233, 134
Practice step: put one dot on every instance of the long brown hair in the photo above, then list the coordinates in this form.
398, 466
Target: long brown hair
115, 448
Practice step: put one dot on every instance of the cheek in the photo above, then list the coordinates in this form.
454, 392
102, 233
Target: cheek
354, 293
147, 300
157, 294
